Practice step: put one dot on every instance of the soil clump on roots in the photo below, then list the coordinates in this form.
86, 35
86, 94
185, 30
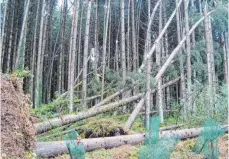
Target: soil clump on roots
17, 130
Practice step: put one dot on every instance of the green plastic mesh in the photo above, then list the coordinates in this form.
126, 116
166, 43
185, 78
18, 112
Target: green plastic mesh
154, 147
207, 143
75, 148
152, 135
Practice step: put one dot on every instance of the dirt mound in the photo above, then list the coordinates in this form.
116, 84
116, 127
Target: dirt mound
17, 131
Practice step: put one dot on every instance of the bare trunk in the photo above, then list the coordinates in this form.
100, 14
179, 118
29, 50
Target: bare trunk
182, 83
106, 20
45, 126
39, 58
123, 51
209, 60
86, 42
55, 148
133, 37
21, 46
73, 54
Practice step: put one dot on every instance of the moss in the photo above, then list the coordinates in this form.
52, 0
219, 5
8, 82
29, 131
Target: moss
30, 155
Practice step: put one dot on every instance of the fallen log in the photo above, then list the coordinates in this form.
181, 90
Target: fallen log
171, 127
55, 148
50, 124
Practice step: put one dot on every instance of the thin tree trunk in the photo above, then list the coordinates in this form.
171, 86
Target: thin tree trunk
3, 32
73, 53
224, 58
128, 39
182, 83
123, 51
86, 46
134, 49
106, 20
209, 60
158, 63
34, 51
20, 58
39, 58
188, 52
10, 39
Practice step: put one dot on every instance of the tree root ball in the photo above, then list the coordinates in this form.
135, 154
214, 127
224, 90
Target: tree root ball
17, 130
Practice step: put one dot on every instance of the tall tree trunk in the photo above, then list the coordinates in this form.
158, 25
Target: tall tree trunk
224, 57
73, 53
39, 58
21, 46
182, 83
134, 49
96, 42
106, 20
6, 11
34, 51
209, 50
86, 46
158, 63
62, 46
10, 48
123, 51
188, 52
128, 41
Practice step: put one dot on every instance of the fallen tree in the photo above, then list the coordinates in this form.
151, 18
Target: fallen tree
50, 124
55, 148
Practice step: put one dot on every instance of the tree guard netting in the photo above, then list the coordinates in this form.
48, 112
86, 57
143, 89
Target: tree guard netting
207, 142
75, 148
154, 147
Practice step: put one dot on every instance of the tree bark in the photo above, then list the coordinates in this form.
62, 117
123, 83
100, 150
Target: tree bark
86, 46
20, 58
133, 37
106, 20
123, 44
153, 48
188, 52
55, 148
73, 53
39, 58
45, 126
209, 50
182, 76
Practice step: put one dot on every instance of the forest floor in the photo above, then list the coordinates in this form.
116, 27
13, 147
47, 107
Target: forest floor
182, 151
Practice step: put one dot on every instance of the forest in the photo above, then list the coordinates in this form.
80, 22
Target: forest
114, 79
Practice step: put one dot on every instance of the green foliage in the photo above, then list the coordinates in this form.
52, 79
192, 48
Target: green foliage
49, 110
201, 101
220, 19
21, 73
